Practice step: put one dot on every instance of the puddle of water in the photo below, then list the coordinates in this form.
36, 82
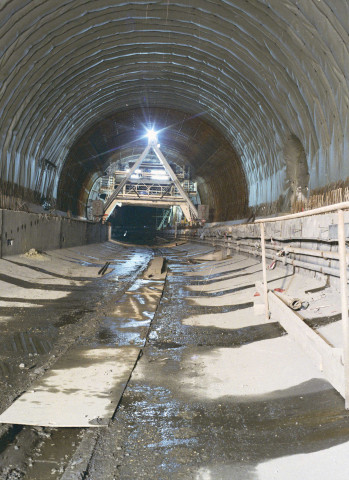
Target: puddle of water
113, 337
132, 263
52, 454
140, 299
122, 331
9, 436
141, 282
132, 323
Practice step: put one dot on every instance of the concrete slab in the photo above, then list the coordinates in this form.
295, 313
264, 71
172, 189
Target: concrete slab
191, 249
75, 263
295, 284
156, 269
321, 353
231, 320
231, 265
28, 274
82, 390
8, 290
237, 298
301, 285
242, 281
265, 367
233, 272
207, 265
217, 255
326, 303
333, 333
330, 463
9, 304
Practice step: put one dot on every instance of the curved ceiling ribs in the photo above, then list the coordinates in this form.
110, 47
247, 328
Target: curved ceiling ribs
256, 71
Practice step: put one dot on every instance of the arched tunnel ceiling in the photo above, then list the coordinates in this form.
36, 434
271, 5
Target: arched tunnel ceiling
256, 70
184, 139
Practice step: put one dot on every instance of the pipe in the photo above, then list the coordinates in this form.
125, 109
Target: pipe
326, 255
334, 272
296, 263
292, 302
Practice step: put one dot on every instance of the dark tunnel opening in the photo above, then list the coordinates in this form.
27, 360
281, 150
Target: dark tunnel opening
139, 225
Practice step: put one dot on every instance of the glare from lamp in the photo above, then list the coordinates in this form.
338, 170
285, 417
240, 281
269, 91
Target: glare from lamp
152, 136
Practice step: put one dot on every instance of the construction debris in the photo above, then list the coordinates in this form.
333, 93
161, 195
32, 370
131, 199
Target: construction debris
32, 253
104, 268
292, 302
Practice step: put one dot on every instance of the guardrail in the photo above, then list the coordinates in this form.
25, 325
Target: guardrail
339, 208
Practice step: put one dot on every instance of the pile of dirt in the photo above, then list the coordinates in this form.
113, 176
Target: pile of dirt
37, 254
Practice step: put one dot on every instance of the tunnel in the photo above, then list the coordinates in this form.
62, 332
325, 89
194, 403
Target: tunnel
179, 304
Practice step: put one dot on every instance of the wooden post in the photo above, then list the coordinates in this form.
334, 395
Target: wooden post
344, 302
264, 266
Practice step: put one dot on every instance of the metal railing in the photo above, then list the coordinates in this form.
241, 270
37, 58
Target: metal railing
154, 190
342, 256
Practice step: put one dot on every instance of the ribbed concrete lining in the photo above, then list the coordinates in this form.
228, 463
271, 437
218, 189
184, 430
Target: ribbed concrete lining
258, 70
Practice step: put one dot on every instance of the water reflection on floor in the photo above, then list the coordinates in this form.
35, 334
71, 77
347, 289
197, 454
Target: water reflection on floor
131, 319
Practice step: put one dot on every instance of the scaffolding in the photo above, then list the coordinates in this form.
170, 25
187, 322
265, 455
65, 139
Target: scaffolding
150, 183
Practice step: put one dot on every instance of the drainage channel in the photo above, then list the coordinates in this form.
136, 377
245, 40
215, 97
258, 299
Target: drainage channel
38, 453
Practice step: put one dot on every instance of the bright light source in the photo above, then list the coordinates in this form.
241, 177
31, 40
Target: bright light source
152, 136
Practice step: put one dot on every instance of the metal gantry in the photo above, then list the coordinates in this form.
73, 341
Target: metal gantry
167, 191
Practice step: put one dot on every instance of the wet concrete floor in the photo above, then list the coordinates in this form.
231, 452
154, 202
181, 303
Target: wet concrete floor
36, 331
166, 430
192, 408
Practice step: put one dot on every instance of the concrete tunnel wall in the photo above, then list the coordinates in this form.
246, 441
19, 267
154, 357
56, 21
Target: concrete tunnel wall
258, 72
21, 231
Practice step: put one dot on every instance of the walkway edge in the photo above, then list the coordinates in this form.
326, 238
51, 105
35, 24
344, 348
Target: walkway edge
327, 358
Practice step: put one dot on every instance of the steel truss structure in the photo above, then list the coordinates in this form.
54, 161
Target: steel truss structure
160, 194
